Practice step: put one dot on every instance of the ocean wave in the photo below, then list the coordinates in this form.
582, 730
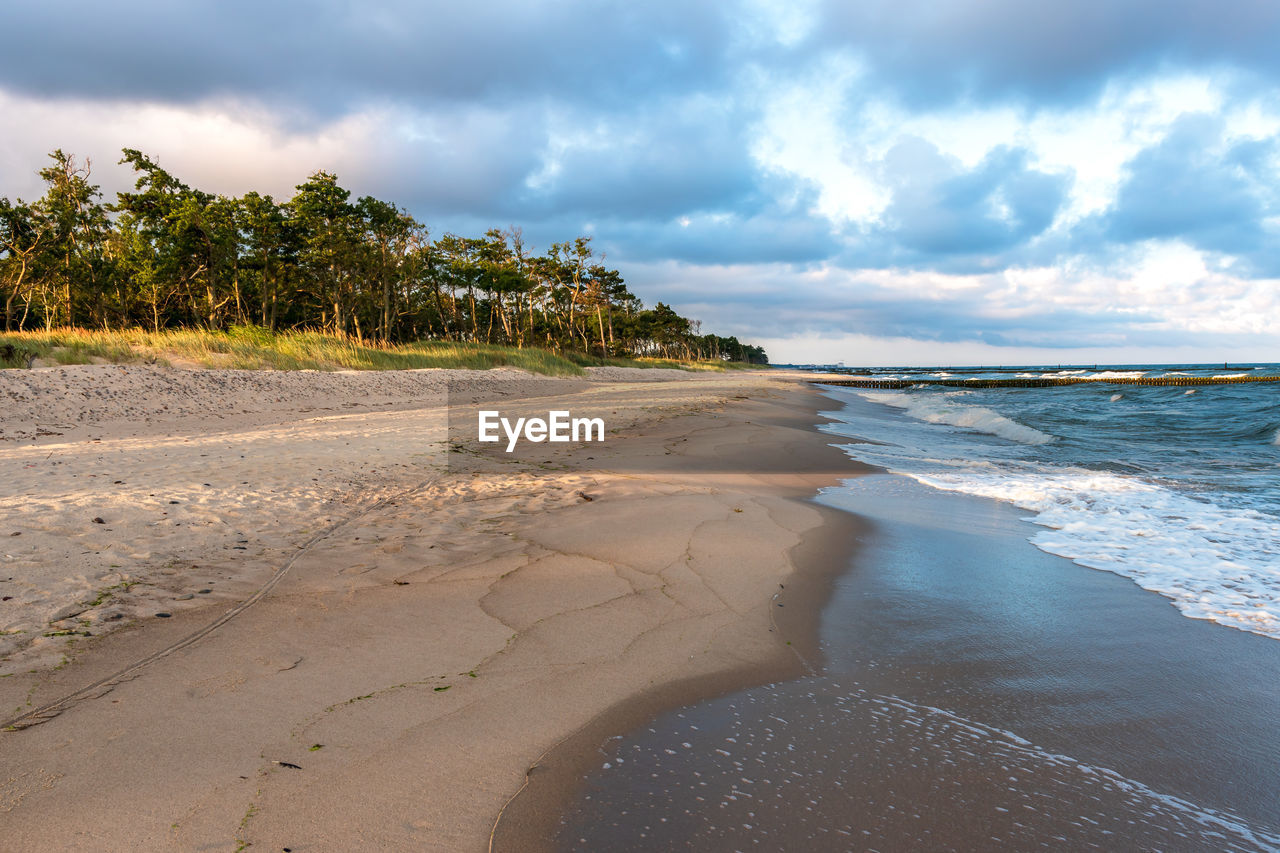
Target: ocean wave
939, 410
1232, 376
1177, 496
1116, 374
1213, 562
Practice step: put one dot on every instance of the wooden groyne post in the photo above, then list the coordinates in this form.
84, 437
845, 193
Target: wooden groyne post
1047, 381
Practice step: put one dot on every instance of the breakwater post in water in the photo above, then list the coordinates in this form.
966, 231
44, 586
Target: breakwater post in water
1046, 381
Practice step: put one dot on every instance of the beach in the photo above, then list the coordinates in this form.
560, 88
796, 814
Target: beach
974, 694
978, 689
759, 612
526, 428
374, 630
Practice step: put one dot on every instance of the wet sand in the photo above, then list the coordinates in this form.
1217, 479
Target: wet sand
531, 820
976, 693
433, 618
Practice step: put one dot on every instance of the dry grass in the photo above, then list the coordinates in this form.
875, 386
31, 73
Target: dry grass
253, 348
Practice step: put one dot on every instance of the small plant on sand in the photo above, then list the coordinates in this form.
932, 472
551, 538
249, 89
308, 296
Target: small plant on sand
16, 356
241, 843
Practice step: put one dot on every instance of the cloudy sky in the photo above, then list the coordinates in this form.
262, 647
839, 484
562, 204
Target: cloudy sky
915, 181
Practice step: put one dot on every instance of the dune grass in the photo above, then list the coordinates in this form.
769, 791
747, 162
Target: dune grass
253, 348
585, 360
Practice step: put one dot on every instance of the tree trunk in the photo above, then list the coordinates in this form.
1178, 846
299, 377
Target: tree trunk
17, 287
386, 308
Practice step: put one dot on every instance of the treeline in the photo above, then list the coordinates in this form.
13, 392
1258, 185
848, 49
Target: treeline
168, 255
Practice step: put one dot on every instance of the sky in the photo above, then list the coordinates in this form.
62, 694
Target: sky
907, 182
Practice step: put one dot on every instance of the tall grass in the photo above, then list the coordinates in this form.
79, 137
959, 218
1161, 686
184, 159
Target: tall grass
584, 360
255, 348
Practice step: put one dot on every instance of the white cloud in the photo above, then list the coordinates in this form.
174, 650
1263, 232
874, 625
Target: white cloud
786, 23
221, 147
803, 131
824, 127
1167, 302
468, 154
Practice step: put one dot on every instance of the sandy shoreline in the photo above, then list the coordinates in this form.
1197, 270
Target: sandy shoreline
793, 467
444, 621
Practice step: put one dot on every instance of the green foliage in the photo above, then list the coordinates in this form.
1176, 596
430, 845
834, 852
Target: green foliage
168, 257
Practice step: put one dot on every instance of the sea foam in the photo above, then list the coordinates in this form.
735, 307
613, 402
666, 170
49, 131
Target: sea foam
1212, 562
1117, 374
1212, 557
941, 409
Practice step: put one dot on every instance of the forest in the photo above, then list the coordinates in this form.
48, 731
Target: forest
168, 256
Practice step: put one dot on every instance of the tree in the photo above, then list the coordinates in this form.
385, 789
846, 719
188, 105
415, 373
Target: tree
179, 245
269, 248
329, 246
72, 260
389, 233
22, 235
169, 255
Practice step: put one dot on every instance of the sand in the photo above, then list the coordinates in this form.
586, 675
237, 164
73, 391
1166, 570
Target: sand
428, 619
976, 693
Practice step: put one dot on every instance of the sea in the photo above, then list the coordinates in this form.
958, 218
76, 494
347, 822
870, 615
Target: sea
1060, 631
1176, 488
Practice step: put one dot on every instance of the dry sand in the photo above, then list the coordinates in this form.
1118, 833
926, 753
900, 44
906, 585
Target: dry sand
433, 623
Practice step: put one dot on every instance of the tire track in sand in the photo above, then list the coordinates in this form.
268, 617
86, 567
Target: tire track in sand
47, 712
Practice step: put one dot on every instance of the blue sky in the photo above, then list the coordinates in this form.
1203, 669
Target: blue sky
874, 182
